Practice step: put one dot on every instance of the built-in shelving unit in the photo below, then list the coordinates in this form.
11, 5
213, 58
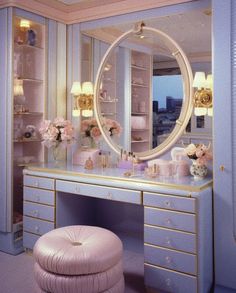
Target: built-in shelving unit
108, 93
29, 105
141, 106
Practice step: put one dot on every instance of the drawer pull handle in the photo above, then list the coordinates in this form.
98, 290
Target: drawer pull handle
38, 198
109, 195
168, 282
36, 228
36, 213
167, 203
168, 259
168, 221
222, 168
36, 184
77, 189
168, 241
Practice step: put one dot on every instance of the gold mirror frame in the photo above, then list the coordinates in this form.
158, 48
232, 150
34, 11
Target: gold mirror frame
187, 105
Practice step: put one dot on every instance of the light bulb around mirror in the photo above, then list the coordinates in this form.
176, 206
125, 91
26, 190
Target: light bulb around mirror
200, 111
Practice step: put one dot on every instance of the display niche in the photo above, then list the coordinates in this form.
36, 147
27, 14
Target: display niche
28, 104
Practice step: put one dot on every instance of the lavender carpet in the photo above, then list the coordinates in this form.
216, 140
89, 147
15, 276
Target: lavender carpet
16, 273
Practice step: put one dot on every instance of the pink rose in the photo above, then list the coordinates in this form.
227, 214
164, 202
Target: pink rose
44, 126
67, 132
85, 124
95, 133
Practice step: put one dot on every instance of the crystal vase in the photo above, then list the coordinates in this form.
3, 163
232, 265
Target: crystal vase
56, 152
89, 142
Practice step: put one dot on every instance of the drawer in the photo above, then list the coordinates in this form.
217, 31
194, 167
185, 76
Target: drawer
169, 281
29, 240
170, 259
169, 219
39, 195
37, 226
39, 182
170, 202
39, 211
97, 191
170, 238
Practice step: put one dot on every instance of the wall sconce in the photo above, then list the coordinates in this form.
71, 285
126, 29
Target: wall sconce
83, 99
24, 24
203, 95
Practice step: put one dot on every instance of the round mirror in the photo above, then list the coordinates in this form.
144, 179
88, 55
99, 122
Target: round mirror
143, 93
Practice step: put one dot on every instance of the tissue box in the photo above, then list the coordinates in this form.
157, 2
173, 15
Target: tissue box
82, 154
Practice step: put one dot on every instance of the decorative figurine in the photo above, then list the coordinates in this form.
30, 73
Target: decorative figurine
31, 37
88, 164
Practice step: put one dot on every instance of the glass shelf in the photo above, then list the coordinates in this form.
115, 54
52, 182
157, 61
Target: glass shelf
143, 129
109, 101
138, 67
29, 114
139, 85
139, 141
108, 114
25, 79
28, 46
139, 113
20, 140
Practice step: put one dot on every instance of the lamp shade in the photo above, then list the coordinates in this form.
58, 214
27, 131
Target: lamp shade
87, 113
87, 88
24, 23
209, 81
18, 87
200, 111
76, 88
199, 80
75, 113
210, 111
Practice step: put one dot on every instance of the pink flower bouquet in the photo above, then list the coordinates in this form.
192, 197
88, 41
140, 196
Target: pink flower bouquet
91, 129
60, 131
200, 153
113, 127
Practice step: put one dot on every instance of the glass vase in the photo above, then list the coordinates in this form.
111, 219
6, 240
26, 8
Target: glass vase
88, 142
56, 152
198, 171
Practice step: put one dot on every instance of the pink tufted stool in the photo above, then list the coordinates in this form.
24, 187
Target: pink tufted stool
79, 259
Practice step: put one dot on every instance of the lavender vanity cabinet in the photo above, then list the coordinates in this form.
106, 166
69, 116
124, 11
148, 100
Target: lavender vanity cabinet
178, 251
39, 208
177, 219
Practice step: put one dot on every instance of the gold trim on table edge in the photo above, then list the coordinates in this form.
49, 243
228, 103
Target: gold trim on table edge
114, 178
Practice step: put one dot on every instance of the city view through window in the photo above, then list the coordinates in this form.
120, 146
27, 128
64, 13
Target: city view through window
167, 103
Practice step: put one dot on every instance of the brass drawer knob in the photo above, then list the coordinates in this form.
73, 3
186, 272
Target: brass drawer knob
222, 168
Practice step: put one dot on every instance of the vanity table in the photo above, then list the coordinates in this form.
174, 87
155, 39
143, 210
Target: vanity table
177, 218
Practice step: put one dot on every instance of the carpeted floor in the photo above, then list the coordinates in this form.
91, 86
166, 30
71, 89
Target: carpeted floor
16, 273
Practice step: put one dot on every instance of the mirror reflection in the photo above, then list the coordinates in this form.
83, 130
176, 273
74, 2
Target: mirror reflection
143, 75
137, 83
